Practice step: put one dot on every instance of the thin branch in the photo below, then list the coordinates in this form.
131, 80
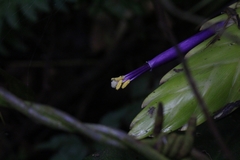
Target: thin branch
188, 16
57, 119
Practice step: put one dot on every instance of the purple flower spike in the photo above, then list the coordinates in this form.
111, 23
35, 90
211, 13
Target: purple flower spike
185, 46
168, 55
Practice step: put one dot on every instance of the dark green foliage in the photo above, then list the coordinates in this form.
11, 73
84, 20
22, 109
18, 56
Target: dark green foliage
13, 17
16, 86
110, 153
66, 147
118, 8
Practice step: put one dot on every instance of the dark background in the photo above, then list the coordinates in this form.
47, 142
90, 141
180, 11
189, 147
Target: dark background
66, 52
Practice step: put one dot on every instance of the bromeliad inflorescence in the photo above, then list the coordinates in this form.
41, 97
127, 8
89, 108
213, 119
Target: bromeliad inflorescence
215, 68
170, 54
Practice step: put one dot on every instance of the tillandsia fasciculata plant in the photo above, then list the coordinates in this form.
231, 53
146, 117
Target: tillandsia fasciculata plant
215, 66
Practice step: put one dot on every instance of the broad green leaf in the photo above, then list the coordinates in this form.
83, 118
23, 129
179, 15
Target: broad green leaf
216, 71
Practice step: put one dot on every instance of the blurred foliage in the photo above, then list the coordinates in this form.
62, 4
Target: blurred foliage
122, 116
20, 15
110, 153
118, 8
16, 86
16, 17
65, 146
14, 14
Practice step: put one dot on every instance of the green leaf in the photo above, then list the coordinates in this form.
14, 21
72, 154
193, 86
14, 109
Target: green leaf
216, 71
